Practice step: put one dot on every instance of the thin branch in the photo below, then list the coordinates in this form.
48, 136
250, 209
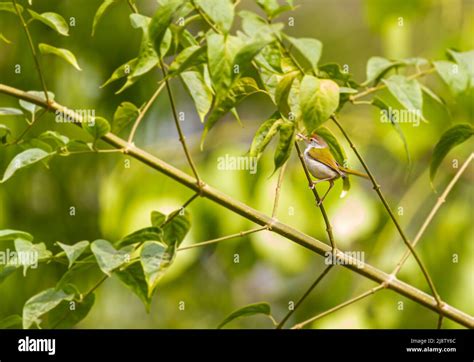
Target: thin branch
317, 198
259, 218
33, 50
224, 238
433, 212
133, 7
278, 189
340, 306
382, 85
392, 216
30, 125
177, 212
144, 110
182, 138
303, 297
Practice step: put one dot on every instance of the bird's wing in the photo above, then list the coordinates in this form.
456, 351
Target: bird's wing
324, 156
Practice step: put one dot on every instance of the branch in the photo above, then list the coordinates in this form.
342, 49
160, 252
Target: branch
433, 212
259, 218
337, 307
303, 297
33, 50
182, 139
392, 216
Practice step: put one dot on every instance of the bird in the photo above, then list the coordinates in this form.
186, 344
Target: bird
322, 164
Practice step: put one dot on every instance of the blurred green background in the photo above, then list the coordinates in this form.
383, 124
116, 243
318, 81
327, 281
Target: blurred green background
112, 200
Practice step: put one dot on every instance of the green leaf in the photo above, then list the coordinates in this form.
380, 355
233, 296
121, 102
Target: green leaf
309, 48
31, 107
24, 159
189, 57
156, 258
99, 13
247, 311
108, 258
269, 6
285, 143
283, 91
41, 304
199, 91
69, 313
386, 114
456, 79
11, 322
77, 145
74, 251
65, 54
466, 62
8, 6
319, 99
4, 133
134, 278
30, 253
407, 92
6, 111
123, 71
160, 23
253, 24
8, 234
97, 127
220, 12
377, 67
264, 135
152, 233
242, 88
243, 58
125, 113
53, 20
175, 225
452, 137
221, 51
59, 139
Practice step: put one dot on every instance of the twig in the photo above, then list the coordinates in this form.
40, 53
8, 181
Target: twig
182, 138
433, 212
33, 50
340, 306
259, 218
132, 6
382, 85
144, 110
228, 237
303, 297
317, 198
176, 212
278, 189
392, 216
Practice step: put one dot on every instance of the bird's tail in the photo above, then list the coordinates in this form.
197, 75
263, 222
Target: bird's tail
354, 172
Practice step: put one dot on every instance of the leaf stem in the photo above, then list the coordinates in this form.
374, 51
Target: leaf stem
33, 50
278, 189
392, 216
204, 17
303, 297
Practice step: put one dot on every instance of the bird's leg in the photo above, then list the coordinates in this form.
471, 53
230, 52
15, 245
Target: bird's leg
331, 184
314, 183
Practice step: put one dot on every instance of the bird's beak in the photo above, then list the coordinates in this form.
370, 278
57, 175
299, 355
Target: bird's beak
302, 137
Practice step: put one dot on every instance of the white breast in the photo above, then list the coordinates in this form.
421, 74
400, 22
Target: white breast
318, 169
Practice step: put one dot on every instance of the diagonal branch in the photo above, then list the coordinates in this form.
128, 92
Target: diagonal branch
259, 218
